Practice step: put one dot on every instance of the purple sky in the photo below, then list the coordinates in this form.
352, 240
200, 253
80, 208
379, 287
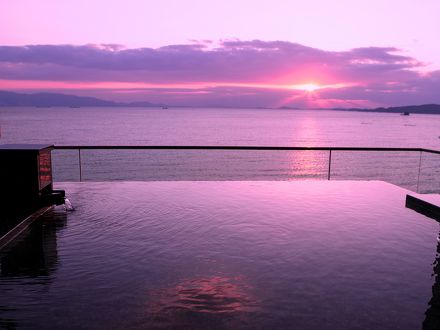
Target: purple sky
225, 53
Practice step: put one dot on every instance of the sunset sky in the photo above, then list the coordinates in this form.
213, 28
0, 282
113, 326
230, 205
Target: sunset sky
316, 53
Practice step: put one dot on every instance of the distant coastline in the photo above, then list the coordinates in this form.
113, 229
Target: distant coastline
47, 100
431, 109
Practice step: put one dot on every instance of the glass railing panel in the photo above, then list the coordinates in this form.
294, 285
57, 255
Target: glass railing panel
181, 165
396, 167
65, 165
429, 182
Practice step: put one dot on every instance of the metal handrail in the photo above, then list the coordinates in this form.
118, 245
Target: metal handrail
114, 147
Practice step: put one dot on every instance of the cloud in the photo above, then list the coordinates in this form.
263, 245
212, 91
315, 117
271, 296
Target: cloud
266, 69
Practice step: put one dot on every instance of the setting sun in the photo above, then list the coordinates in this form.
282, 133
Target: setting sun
308, 87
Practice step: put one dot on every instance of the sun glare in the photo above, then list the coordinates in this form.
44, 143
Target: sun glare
309, 87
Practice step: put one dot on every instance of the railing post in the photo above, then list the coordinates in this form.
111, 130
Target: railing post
418, 176
80, 165
329, 163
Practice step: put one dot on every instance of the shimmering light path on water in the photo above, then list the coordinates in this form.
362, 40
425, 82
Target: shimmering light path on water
311, 254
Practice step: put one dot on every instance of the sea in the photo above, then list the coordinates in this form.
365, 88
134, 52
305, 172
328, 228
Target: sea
230, 127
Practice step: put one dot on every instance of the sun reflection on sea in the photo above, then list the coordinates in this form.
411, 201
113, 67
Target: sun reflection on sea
307, 164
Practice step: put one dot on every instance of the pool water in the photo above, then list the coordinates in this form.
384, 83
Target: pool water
304, 255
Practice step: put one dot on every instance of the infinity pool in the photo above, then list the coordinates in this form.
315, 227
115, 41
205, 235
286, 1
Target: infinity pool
304, 255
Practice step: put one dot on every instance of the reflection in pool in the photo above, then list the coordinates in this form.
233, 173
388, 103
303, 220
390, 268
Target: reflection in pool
202, 299
307, 255
205, 295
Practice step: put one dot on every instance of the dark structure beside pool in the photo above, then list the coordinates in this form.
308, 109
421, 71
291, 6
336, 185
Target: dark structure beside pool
26, 183
225, 254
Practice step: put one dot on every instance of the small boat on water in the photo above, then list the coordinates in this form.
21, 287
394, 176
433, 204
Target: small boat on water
404, 113
164, 107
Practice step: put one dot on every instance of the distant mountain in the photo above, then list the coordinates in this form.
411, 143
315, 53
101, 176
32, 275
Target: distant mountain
433, 109
62, 100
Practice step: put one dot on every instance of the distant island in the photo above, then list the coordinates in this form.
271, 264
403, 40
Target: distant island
431, 109
43, 100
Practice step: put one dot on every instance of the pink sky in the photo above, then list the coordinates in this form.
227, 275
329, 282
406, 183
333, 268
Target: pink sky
347, 53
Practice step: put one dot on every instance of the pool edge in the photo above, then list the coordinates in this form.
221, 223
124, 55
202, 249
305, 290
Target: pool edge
12, 234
